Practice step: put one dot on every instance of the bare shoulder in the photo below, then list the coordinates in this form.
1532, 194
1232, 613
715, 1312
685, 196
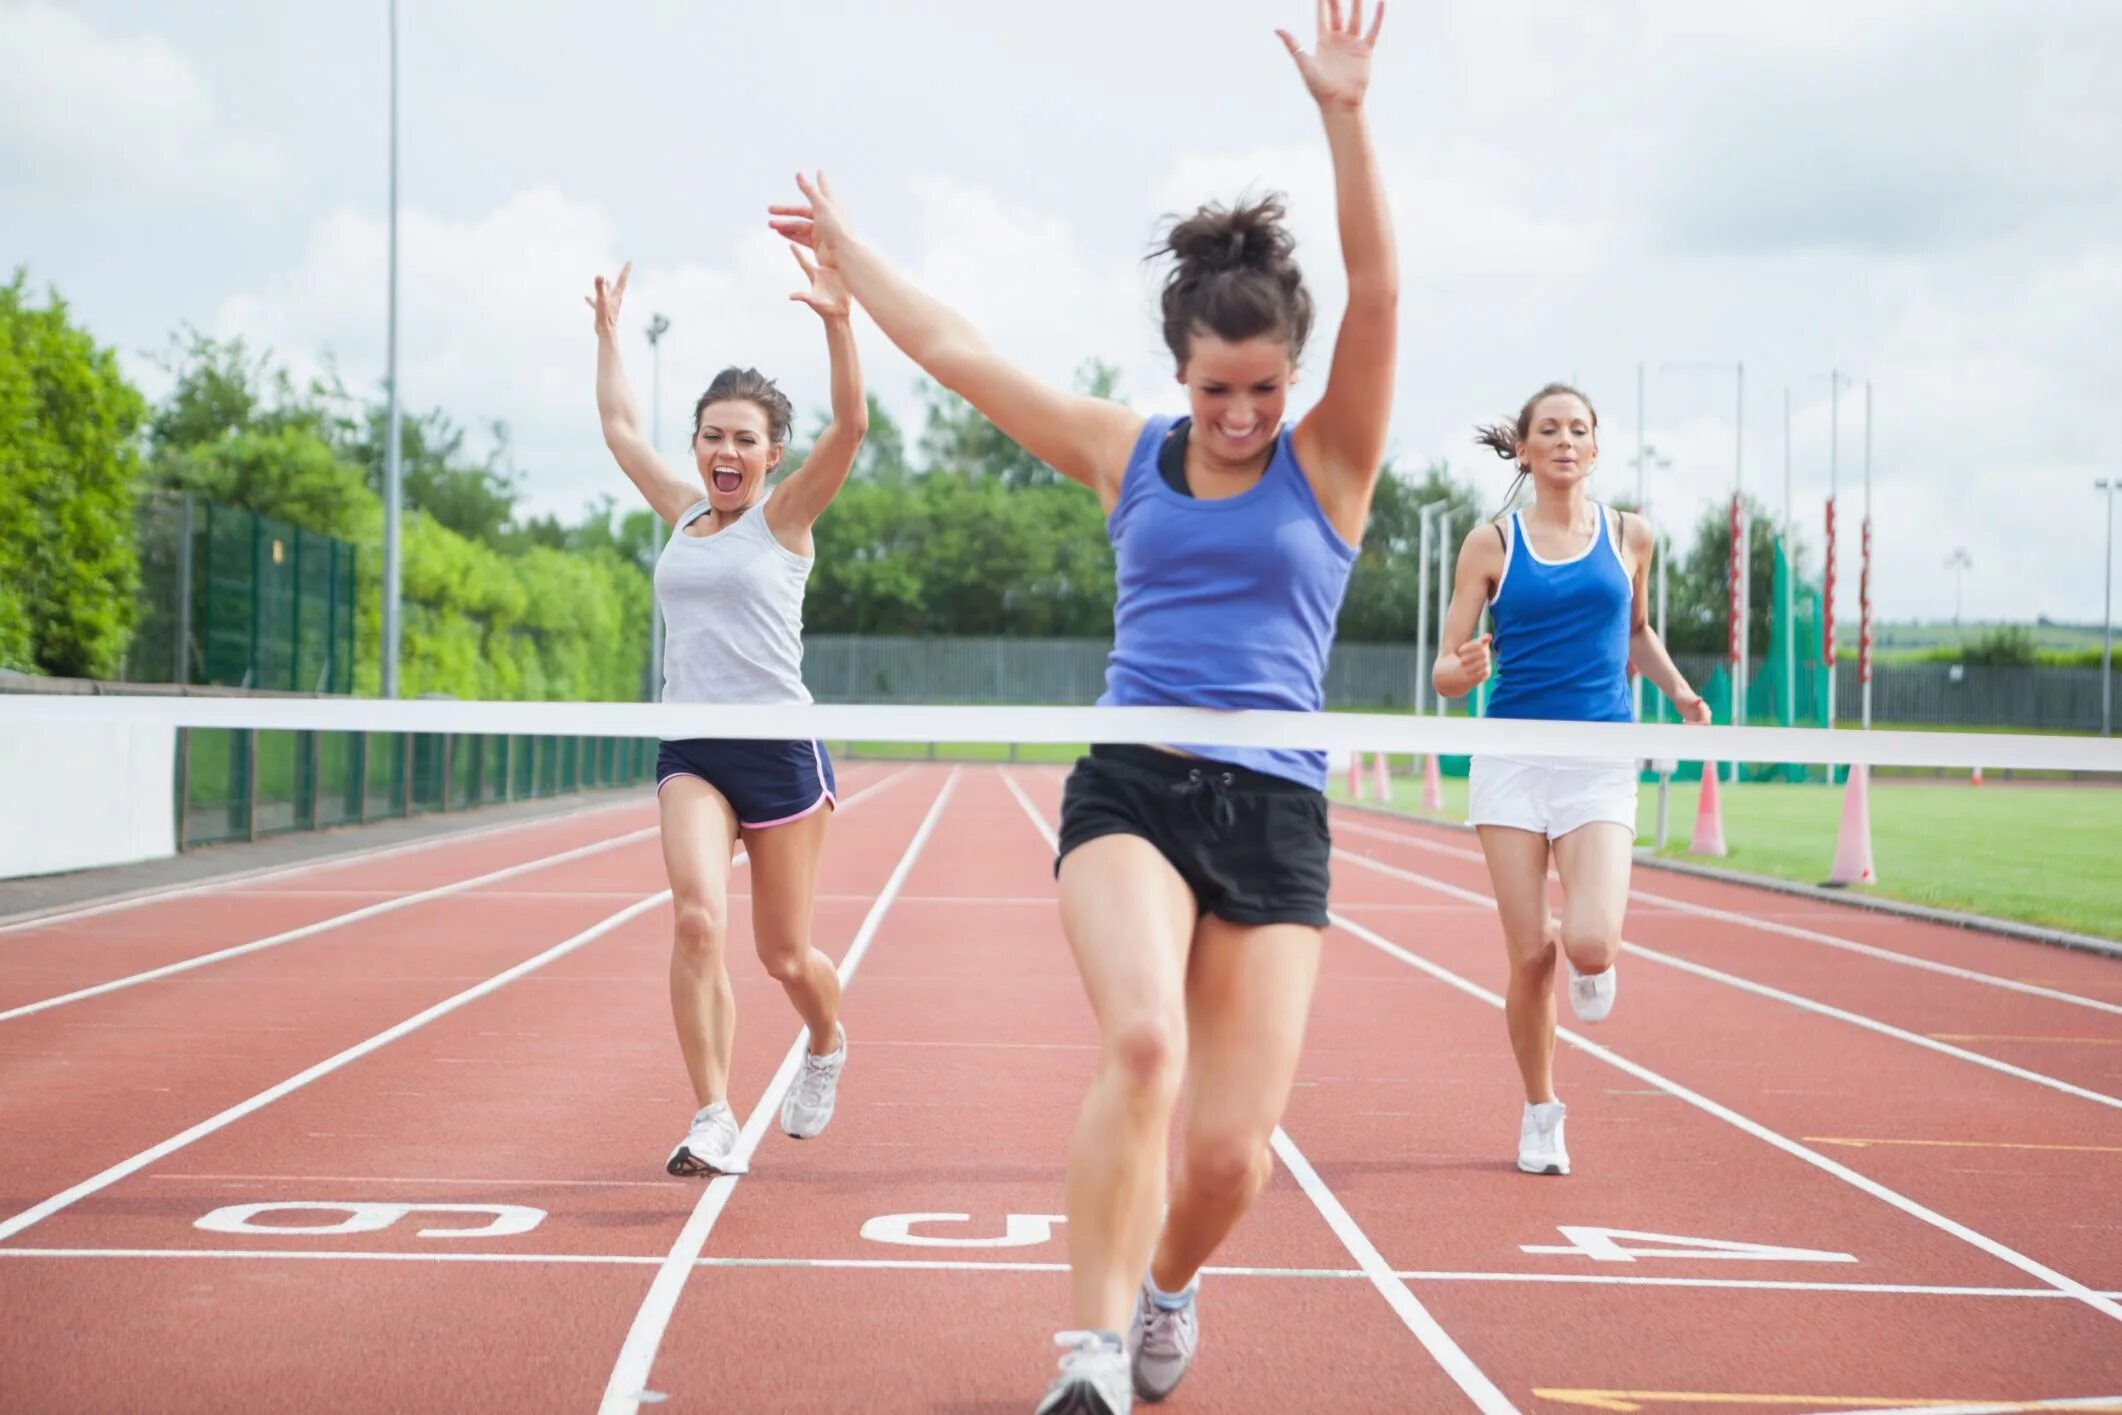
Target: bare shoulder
1637, 537
1482, 546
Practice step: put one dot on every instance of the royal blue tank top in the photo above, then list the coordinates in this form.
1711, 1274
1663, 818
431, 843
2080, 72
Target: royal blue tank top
1228, 603
1562, 631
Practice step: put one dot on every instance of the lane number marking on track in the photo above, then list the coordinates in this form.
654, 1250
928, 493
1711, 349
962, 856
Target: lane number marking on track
1018, 1231
503, 1220
1622, 1245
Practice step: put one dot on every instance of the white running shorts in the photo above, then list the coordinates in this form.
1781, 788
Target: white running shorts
1551, 796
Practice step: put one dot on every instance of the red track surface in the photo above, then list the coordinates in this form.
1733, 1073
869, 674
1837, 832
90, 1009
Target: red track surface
1982, 1209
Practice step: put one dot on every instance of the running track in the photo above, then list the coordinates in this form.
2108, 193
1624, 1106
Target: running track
1878, 1163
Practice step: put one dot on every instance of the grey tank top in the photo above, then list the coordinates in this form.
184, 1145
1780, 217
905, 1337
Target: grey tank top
733, 613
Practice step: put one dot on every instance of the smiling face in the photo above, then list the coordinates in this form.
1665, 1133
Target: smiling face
734, 449
1237, 392
1560, 444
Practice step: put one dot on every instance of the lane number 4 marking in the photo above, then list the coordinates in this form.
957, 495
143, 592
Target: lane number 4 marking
1622, 1245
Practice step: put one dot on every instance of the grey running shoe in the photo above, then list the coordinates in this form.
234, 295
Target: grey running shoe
1162, 1340
808, 1108
1093, 1379
707, 1148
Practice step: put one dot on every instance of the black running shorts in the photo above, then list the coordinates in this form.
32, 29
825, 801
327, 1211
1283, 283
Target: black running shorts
1253, 848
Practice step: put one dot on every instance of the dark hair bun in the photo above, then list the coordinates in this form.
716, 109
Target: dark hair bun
1235, 276
1249, 236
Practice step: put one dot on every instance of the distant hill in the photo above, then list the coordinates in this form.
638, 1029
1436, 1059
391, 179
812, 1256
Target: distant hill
1916, 637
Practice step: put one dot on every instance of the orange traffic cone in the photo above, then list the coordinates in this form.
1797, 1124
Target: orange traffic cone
1978, 776
1355, 776
1708, 838
1381, 779
1853, 842
1432, 786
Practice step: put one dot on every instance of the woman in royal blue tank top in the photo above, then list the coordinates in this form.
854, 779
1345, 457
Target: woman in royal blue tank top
1564, 581
1192, 881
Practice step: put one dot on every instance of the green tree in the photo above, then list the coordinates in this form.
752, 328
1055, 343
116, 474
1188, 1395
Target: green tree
1384, 586
1698, 588
69, 468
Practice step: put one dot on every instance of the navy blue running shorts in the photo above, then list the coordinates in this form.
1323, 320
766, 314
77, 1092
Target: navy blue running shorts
766, 783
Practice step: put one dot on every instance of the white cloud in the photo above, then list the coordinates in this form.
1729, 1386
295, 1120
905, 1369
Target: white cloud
113, 119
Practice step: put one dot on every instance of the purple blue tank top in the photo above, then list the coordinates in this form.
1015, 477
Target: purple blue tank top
1228, 603
1562, 631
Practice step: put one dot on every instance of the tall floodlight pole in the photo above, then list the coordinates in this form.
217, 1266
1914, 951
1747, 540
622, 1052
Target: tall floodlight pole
1864, 577
1423, 656
1642, 509
1444, 584
393, 471
1741, 565
658, 326
1790, 576
1835, 379
2107, 617
1739, 646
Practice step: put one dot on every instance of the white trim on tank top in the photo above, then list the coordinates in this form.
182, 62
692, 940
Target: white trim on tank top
1598, 531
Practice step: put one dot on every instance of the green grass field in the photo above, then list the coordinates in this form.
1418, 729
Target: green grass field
2036, 854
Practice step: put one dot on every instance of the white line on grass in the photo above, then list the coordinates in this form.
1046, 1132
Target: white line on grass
624, 1390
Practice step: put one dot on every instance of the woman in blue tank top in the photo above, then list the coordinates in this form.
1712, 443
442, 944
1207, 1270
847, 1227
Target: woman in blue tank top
1564, 581
1192, 880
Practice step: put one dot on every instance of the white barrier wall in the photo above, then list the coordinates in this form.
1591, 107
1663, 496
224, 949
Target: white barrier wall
73, 796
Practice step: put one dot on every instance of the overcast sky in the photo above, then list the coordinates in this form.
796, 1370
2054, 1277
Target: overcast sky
1928, 196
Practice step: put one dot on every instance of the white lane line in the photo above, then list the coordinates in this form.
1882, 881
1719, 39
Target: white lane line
1998, 1407
39, 1212
356, 916
1848, 945
336, 921
1435, 1340
624, 1389
66, 1198
420, 1179
977, 1266
1855, 1019
321, 862
2099, 1303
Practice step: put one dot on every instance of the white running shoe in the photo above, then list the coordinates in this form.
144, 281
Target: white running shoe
1093, 1379
707, 1147
1540, 1149
1591, 995
809, 1106
1162, 1341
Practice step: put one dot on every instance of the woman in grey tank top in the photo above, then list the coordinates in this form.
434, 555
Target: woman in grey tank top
730, 586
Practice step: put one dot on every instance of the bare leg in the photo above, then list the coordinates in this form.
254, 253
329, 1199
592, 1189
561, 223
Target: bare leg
785, 861
1129, 920
699, 834
1594, 862
1248, 992
1517, 868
